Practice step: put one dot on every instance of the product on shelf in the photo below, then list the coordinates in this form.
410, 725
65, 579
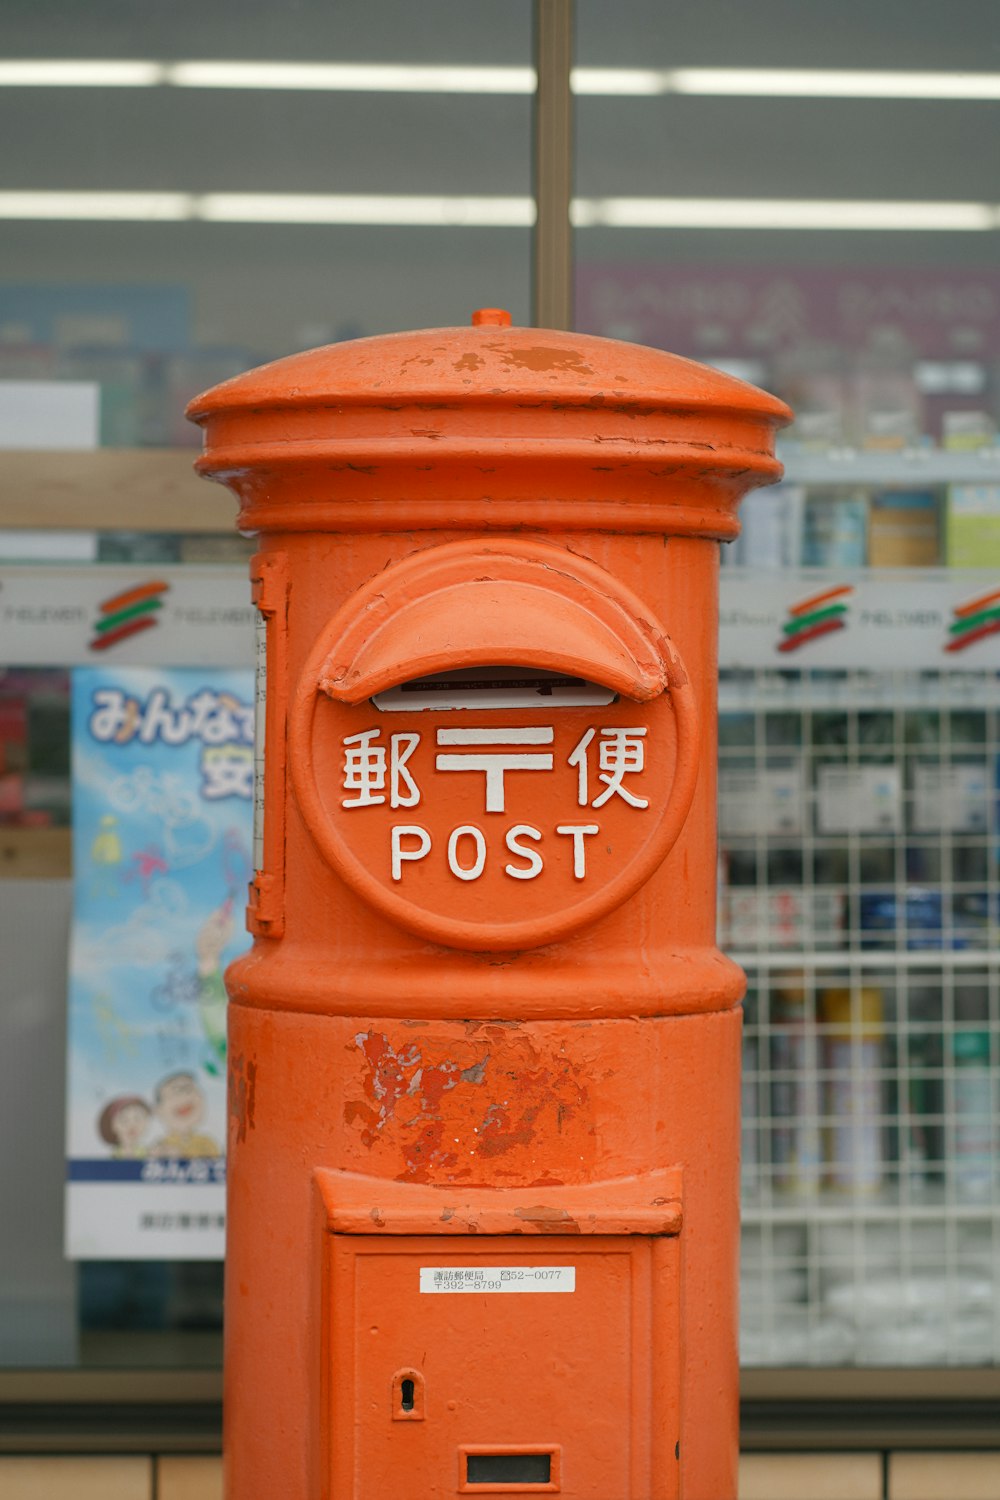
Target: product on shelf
887, 400
812, 376
972, 526
913, 918
864, 798
903, 530
854, 1089
834, 529
796, 1144
770, 529
781, 917
967, 431
974, 919
971, 1118
922, 1101
817, 431
890, 431
750, 1119
765, 800
950, 798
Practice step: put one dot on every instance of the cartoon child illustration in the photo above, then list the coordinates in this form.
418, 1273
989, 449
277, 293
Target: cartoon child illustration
123, 1123
180, 1108
107, 846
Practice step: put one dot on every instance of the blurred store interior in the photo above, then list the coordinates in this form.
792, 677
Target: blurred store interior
805, 196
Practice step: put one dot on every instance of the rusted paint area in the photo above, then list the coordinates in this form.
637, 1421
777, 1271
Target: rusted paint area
541, 357
242, 1094
470, 1108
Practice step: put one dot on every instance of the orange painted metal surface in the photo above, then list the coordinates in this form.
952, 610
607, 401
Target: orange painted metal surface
484, 1053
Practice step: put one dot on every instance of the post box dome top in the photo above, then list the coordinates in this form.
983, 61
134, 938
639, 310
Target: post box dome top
451, 397
489, 360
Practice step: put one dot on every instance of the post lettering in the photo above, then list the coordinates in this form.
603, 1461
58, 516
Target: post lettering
399, 854
514, 836
473, 871
578, 832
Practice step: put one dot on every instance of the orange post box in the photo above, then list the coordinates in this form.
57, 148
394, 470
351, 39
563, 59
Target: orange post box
484, 1053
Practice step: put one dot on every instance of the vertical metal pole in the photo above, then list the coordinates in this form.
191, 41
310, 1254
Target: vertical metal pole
552, 281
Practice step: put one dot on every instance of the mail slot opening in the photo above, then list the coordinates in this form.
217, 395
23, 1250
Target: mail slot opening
493, 687
508, 1468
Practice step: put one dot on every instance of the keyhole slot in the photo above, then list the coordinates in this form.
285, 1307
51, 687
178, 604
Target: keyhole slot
407, 1396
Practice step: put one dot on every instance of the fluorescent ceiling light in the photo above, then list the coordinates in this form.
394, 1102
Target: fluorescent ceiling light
634, 82
351, 77
832, 83
496, 212
805, 83
779, 213
145, 207
276, 208
381, 78
365, 208
84, 73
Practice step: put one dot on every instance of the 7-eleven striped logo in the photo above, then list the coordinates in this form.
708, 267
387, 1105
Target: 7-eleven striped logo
973, 620
128, 614
819, 615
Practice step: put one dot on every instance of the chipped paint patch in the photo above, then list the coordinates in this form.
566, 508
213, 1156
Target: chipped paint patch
548, 1219
542, 1097
404, 1088
456, 1105
242, 1094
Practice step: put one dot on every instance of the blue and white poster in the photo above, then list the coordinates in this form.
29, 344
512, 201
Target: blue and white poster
162, 815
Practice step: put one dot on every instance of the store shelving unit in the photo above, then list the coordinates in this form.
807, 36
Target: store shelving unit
907, 467
862, 895
154, 489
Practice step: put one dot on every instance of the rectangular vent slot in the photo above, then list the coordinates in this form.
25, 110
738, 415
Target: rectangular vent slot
508, 1468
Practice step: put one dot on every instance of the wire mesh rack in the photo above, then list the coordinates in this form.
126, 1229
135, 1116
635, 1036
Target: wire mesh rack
860, 890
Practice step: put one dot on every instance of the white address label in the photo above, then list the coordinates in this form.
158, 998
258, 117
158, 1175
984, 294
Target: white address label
498, 1278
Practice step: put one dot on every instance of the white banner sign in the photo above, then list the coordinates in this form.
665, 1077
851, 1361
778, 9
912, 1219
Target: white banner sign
903, 618
202, 616
131, 615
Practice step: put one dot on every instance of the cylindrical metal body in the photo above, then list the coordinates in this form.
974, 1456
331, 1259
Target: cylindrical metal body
484, 1045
